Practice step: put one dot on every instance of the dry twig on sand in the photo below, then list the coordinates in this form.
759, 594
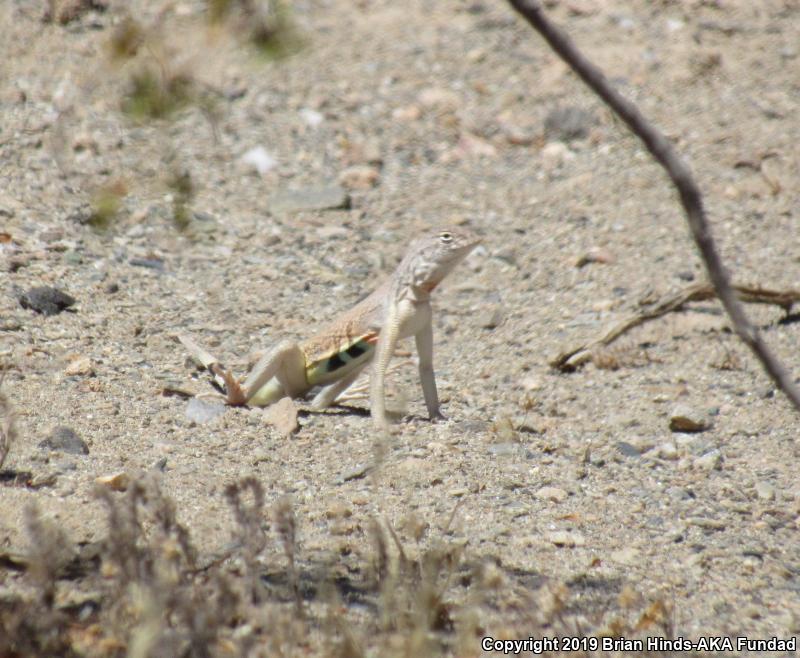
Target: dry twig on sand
572, 359
681, 177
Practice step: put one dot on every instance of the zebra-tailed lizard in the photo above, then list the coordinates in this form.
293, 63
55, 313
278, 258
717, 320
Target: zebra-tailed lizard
368, 332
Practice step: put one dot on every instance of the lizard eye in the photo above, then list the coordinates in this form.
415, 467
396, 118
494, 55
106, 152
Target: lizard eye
446, 236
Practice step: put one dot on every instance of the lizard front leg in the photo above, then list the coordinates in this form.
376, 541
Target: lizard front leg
424, 341
387, 340
279, 373
328, 395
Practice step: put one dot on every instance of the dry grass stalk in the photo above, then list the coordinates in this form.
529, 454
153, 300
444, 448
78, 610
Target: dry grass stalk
287, 531
8, 430
251, 535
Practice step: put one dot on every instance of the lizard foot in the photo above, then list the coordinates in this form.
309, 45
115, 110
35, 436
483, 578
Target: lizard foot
233, 391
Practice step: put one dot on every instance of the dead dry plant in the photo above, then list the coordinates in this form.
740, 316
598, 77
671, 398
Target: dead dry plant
430, 597
35, 626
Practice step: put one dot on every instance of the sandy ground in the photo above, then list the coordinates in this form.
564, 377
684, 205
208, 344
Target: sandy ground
431, 115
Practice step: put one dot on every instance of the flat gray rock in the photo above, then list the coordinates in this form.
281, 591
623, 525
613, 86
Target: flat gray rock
627, 450
46, 300
326, 197
65, 439
200, 411
568, 123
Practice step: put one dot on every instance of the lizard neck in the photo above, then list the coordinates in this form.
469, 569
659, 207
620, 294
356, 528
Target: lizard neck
414, 293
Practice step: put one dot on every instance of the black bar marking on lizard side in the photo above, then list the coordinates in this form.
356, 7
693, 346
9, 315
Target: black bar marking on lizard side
335, 362
355, 351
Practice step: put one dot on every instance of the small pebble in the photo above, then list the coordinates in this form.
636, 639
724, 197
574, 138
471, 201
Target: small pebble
332, 232
554, 154
599, 255
566, 538
436, 98
81, 365
642, 444
68, 11
765, 491
668, 451
338, 510
355, 473
159, 465
312, 118
260, 160
674, 24
149, 263
628, 556
117, 481
627, 450
693, 444
711, 461
505, 449
766, 392
688, 419
491, 317
360, 177
532, 383
568, 123
552, 493
517, 136
283, 416
407, 114
677, 493
470, 145
66, 465
46, 300
203, 223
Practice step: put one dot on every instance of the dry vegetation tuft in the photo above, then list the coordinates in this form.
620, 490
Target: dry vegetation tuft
140, 591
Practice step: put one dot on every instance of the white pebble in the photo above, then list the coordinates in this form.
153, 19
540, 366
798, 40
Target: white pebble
259, 159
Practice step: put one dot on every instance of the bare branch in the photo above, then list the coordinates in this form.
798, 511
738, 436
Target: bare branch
681, 177
574, 358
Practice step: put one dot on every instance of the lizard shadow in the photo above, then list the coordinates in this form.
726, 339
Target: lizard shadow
335, 410
347, 410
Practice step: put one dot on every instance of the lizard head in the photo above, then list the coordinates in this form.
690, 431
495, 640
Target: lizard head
433, 257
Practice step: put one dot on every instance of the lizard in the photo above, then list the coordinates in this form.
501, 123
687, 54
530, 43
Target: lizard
366, 333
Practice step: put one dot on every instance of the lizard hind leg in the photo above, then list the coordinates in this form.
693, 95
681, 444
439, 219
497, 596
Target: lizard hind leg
281, 372
223, 380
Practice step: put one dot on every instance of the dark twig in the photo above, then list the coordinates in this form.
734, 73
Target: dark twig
681, 177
